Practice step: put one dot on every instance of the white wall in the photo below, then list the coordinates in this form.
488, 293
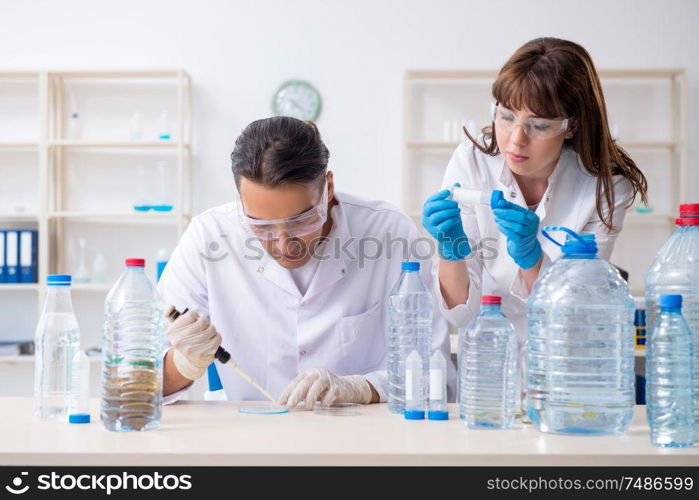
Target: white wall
355, 52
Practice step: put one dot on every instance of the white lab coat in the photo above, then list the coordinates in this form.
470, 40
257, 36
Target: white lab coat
269, 328
568, 201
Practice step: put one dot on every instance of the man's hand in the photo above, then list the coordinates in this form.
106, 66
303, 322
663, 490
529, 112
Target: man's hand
319, 384
194, 341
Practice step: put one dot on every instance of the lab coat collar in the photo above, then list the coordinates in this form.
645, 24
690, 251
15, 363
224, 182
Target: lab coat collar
333, 265
508, 180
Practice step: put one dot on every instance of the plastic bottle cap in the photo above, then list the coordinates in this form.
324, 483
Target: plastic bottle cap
410, 266
58, 279
414, 415
575, 246
135, 262
491, 300
671, 301
438, 415
689, 210
689, 215
79, 418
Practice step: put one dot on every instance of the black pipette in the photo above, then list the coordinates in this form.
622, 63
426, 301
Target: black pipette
224, 358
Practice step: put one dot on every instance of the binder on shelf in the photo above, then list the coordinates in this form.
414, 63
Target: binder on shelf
28, 256
12, 256
3, 269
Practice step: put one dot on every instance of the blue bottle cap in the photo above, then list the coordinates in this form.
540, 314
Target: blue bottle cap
79, 418
438, 415
410, 266
58, 279
671, 301
414, 415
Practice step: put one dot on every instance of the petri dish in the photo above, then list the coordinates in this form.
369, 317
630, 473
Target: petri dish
338, 409
263, 409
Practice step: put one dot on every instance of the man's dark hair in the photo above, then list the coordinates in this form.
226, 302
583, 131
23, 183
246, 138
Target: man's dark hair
278, 151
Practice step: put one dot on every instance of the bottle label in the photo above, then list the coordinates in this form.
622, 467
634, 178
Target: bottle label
436, 384
408, 384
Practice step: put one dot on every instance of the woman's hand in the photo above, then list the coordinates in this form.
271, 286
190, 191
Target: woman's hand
520, 226
442, 219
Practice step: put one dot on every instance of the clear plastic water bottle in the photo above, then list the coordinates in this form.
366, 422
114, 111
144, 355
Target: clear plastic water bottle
488, 368
675, 270
56, 342
132, 353
580, 350
669, 377
410, 329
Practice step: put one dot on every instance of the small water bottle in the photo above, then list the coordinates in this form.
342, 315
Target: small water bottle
488, 368
675, 270
410, 329
580, 355
415, 397
79, 409
132, 353
57, 339
669, 375
438, 409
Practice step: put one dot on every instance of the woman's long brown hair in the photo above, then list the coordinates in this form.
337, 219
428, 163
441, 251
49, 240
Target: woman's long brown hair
556, 78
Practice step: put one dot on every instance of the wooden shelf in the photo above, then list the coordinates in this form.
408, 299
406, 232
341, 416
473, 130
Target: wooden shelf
650, 144
649, 218
443, 145
124, 73
19, 216
165, 144
17, 287
29, 358
91, 287
19, 146
450, 146
121, 217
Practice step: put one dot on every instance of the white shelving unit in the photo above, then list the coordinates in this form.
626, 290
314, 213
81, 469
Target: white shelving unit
647, 106
69, 201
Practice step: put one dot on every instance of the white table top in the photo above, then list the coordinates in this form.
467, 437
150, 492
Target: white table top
215, 433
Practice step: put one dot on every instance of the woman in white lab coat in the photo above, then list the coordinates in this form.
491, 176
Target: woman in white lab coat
550, 151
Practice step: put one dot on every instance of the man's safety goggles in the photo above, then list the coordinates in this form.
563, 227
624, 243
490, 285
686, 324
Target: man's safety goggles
292, 227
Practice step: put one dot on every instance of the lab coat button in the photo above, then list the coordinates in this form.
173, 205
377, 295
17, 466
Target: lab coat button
302, 353
260, 269
513, 194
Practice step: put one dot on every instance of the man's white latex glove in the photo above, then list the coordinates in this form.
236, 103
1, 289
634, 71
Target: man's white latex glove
319, 384
194, 341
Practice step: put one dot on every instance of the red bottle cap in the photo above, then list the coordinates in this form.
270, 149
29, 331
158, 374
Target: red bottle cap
689, 215
135, 262
491, 300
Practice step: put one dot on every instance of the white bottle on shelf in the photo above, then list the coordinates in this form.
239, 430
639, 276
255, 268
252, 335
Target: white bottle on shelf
135, 130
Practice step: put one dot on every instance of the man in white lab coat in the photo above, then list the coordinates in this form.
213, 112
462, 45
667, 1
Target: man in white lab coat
292, 278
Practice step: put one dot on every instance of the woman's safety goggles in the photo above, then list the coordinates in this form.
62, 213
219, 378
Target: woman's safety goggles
535, 128
292, 227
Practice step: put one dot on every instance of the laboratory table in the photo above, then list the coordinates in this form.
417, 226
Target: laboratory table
215, 433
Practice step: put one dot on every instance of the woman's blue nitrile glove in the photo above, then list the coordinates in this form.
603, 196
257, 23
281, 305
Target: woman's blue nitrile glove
442, 219
521, 227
